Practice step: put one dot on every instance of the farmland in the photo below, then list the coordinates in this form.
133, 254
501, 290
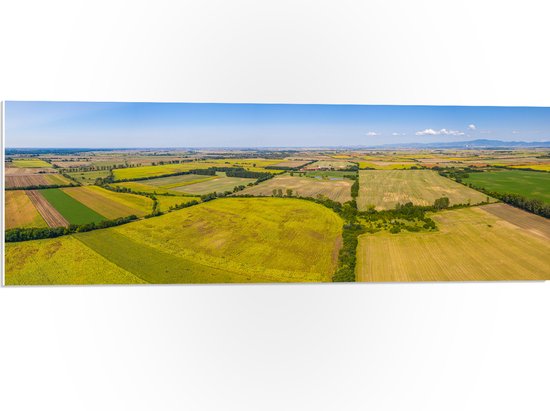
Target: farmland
219, 185
110, 204
88, 177
72, 210
140, 186
337, 190
165, 202
59, 261
386, 165
30, 163
330, 165
29, 180
247, 227
21, 212
187, 184
48, 212
530, 184
471, 244
329, 175
166, 169
383, 189
177, 181
538, 167
286, 164
227, 240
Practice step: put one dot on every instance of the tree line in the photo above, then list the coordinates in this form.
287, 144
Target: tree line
42, 186
528, 204
34, 233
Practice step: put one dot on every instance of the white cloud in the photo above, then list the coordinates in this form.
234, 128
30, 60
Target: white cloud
372, 133
472, 127
398, 134
442, 132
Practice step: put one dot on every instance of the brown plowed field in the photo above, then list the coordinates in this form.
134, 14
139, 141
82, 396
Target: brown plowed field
19, 171
46, 210
25, 180
532, 223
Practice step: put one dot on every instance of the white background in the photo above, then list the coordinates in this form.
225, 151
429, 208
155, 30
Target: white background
458, 346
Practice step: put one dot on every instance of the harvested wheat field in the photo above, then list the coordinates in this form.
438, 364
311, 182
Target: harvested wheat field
471, 245
52, 217
337, 190
21, 212
383, 189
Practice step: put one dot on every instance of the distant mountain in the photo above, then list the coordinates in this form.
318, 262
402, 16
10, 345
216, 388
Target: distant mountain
479, 144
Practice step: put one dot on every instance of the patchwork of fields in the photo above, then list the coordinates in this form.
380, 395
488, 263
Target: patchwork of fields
50, 214
187, 184
272, 236
75, 205
530, 184
330, 164
89, 177
109, 204
383, 189
471, 244
337, 190
161, 170
227, 240
71, 209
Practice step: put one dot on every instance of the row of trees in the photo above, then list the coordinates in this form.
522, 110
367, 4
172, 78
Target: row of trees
276, 167
41, 186
25, 234
528, 204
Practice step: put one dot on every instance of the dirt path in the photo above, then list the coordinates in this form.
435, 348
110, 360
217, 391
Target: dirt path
46, 210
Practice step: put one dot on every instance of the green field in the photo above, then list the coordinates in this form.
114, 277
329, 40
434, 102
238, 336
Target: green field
218, 185
177, 181
156, 171
74, 211
63, 260
138, 186
470, 245
166, 169
89, 177
30, 163
530, 184
383, 189
225, 240
165, 202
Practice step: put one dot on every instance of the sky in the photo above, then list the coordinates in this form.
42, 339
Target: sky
194, 125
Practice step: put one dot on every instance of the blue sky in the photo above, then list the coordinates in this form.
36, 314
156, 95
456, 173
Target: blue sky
106, 125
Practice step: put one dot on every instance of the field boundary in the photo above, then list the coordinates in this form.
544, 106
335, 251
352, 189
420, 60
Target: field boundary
48, 212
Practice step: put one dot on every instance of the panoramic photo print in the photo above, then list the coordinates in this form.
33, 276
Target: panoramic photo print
197, 193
